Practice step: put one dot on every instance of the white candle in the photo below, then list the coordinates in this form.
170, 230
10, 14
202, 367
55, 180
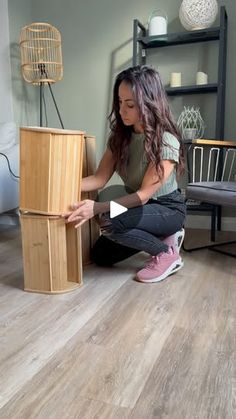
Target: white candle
201, 78
175, 79
158, 26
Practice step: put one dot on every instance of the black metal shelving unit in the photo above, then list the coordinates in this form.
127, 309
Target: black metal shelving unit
142, 42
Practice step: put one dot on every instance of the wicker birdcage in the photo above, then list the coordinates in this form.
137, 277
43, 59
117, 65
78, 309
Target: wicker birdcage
41, 57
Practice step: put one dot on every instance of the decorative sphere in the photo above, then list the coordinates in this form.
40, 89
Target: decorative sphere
198, 14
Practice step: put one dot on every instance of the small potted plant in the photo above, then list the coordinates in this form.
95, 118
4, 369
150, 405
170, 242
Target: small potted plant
190, 130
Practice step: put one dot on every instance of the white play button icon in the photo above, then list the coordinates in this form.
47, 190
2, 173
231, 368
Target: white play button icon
116, 209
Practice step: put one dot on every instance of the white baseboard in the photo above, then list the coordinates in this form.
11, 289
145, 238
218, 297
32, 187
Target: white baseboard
204, 222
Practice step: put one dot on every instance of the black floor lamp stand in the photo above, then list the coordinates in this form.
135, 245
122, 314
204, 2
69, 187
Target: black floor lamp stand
41, 104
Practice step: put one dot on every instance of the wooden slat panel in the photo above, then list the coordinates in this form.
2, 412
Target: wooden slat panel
74, 257
57, 253
34, 170
35, 253
65, 170
51, 169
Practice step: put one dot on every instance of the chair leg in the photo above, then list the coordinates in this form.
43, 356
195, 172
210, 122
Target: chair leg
219, 214
213, 223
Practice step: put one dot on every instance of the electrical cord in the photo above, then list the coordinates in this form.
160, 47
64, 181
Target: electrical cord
9, 167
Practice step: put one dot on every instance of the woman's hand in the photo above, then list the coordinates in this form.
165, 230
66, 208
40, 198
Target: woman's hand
81, 211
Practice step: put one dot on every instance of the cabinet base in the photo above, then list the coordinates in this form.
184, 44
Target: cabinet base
71, 287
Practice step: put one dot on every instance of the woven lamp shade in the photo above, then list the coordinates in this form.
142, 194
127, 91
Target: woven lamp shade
41, 57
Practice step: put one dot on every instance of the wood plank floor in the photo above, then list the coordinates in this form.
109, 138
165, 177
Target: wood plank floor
116, 348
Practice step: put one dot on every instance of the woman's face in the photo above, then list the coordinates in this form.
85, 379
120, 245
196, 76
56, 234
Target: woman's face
128, 108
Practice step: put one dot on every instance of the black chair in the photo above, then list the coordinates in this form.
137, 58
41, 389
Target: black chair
213, 183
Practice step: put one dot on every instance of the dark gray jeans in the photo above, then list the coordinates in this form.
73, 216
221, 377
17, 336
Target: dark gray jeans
141, 229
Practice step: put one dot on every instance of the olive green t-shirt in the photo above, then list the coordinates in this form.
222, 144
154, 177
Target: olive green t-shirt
138, 163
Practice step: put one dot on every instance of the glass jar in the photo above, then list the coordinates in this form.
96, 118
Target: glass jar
157, 23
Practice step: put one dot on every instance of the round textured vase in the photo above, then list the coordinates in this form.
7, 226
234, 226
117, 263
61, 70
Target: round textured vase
198, 14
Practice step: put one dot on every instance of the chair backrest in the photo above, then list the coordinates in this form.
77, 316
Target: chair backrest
212, 160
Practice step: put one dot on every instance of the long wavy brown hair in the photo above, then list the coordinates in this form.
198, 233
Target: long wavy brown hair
155, 117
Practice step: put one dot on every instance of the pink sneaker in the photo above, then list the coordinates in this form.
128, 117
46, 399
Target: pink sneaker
175, 240
160, 267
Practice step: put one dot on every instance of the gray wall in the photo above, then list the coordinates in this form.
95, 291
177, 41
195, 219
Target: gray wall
96, 45
6, 105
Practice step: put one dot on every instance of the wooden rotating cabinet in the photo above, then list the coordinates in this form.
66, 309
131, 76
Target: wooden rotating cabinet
51, 165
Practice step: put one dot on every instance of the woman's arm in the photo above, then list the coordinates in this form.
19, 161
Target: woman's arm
102, 175
86, 209
150, 185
